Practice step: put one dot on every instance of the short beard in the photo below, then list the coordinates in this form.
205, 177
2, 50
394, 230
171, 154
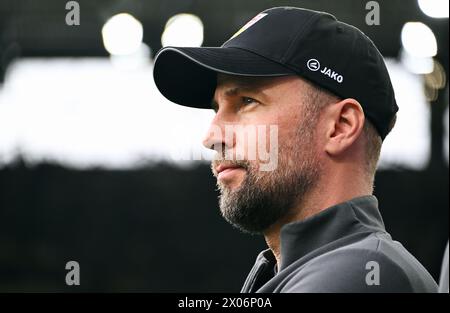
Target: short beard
263, 198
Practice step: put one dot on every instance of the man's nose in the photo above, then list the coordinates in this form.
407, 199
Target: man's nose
219, 136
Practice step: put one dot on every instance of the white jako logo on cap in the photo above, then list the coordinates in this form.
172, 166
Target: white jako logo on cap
313, 65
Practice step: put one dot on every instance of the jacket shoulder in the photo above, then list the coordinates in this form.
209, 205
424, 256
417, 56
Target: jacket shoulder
375, 264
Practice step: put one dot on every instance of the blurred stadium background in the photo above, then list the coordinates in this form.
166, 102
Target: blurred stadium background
94, 162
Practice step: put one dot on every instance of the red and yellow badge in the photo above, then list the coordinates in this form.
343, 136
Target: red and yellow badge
249, 24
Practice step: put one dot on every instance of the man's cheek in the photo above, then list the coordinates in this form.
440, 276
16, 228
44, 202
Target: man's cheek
258, 143
268, 148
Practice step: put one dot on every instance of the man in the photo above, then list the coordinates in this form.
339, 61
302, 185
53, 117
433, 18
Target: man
325, 87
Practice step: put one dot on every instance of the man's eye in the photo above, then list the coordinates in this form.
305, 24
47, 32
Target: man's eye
248, 100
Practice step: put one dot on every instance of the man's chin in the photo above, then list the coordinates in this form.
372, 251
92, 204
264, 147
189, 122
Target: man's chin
231, 178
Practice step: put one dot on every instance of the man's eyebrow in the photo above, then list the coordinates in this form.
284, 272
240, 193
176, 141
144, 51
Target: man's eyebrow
244, 88
253, 88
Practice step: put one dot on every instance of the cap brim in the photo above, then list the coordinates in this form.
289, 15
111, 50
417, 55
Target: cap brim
187, 76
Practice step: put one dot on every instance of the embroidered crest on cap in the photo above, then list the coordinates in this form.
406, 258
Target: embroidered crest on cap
249, 24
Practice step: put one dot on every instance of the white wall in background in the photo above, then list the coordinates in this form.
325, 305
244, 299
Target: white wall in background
87, 112
408, 145
84, 112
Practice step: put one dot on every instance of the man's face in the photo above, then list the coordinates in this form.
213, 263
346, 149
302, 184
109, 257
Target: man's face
254, 115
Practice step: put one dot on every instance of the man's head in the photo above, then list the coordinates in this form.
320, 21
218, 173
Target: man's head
321, 83
317, 132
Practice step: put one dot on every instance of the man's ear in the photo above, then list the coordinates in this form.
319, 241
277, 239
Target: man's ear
344, 124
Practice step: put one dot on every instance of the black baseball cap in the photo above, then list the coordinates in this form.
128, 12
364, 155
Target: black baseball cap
285, 41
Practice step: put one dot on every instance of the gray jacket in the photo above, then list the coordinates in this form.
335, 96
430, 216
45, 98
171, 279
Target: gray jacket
344, 248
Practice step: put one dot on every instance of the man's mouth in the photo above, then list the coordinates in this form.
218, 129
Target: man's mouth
227, 171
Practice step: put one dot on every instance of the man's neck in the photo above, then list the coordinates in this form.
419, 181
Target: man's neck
310, 205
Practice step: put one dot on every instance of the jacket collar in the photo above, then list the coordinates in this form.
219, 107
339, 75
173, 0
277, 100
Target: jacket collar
339, 221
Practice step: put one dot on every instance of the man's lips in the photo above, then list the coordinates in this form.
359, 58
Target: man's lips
223, 169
